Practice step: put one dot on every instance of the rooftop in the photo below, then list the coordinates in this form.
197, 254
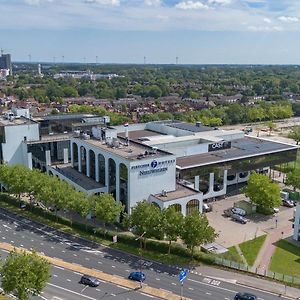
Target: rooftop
15, 121
180, 192
140, 135
52, 138
240, 148
135, 151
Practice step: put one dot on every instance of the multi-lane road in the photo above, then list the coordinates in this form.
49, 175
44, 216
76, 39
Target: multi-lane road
21, 232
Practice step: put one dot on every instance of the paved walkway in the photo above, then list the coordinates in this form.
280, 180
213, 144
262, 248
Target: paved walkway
264, 256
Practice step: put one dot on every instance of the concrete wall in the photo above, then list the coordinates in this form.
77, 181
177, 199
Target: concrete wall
13, 151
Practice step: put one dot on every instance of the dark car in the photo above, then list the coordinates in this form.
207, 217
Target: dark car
288, 203
137, 276
245, 296
89, 280
239, 219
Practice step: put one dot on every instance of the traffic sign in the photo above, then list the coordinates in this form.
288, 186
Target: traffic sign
182, 275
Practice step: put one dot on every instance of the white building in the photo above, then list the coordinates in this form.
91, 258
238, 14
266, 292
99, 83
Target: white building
296, 235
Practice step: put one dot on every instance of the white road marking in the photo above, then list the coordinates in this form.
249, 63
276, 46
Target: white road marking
22, 245
87, 258
114, 295
147, 295
3, 238
173, 283
69, 280
123, 287
6, 226
100, 262
113, 266
98, 290
77, 273
61, 268
5, 251
54, 275
207, 293
157, 278
191, 289
12, 242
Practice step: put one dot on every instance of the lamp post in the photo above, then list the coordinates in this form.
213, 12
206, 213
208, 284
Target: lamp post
141, 253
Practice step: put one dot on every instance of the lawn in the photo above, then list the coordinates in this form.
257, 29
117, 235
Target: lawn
3, 297
286, 259
251, 248
232, 255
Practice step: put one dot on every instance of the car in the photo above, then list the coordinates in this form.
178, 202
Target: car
207, 207
23, 205
288, 203
239, 219
89, 280
245, 296
275, 209
137, 276
238, 211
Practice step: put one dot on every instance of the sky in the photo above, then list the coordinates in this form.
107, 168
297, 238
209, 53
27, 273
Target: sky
126, 31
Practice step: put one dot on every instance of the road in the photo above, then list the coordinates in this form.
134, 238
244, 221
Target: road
21, 232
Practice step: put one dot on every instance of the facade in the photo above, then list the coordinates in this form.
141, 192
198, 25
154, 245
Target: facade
165, 162
296, 235
5, 62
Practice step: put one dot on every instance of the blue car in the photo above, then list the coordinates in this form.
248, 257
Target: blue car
137, 276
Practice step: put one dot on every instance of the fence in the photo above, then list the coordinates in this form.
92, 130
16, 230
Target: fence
265, 273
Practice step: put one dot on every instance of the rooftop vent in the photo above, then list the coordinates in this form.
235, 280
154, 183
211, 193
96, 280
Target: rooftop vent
164, 193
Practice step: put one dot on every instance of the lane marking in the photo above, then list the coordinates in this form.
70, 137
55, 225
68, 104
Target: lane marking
150, 296
61, 268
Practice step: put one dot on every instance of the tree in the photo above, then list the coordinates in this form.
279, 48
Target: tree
271, 125
295, 134
172, 224
197, 231
24, 273
263, 192
146, 217
293, 179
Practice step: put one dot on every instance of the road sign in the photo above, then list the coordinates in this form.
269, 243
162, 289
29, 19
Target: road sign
182, 275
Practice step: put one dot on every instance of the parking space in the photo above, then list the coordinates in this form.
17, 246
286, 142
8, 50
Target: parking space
233, 233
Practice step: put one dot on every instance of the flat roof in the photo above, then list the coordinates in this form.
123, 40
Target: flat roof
52, 138
240, 148
138, 135
190, 127
15, 121
180, 192
135, 151
77, 177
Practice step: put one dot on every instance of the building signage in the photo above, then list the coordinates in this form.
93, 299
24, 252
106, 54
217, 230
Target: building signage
219, 146
153, 167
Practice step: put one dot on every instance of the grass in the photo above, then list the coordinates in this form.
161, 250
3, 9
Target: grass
286, 259
4, 297
232, 255
250, 249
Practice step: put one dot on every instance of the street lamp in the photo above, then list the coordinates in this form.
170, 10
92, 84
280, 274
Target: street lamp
141, 253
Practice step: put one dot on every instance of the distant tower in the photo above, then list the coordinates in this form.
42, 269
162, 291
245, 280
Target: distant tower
96, 59
63, 59
39, 70
144, 60
29, 58
176, 60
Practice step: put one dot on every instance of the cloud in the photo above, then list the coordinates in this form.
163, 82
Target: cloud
221, 2
265, 28
32, 2
104, 2
191, 5
267, 20
288, 19
155, 3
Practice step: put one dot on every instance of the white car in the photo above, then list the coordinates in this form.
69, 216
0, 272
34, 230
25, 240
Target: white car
275, 209
238, 211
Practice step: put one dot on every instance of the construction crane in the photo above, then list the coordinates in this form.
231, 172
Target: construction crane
3, 50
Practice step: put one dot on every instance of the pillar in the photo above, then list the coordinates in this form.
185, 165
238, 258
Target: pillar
97, 167
72, 157
211, 182
48, 158
66, 155
88, 163
29, 160
117, 182
197, 183
79, 159
106, 172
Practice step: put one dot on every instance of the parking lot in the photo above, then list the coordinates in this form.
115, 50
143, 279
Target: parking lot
233, 233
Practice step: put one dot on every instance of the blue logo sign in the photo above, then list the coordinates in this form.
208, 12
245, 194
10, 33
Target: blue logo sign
154, 164
182, 275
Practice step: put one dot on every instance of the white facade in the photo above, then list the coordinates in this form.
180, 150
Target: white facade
296, 235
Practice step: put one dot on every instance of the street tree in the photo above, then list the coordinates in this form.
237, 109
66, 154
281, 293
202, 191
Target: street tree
271, 126
172, 224
293, 179
25, 274
197, 231
263, 192
295, 134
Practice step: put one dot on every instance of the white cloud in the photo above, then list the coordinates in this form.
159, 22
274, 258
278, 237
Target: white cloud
288, 19
267, 20
32, 2
104, 2
186, 5
265, 28
155, 3
221, 2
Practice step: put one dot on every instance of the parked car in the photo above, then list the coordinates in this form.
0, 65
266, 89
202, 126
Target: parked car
207, 207
137, 276
275, 209
238, 211
239, 219
89, 280
288, 203
245, 296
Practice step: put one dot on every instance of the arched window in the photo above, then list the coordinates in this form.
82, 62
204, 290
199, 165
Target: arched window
155, 204
124, 186
83, 159
101, 162
192, 205
92, 164
112, 177
177, 207
75, 156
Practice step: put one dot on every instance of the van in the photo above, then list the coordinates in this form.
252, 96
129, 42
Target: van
238, 211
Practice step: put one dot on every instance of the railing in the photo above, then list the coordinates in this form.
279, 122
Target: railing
242, 267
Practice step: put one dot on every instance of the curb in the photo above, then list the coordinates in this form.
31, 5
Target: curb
114, 279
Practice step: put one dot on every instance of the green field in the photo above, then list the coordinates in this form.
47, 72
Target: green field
251, 248
286, 259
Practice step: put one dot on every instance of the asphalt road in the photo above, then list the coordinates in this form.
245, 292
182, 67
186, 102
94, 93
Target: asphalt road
21, 232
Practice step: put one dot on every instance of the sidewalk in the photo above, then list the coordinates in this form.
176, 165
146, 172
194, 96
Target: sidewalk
250, 281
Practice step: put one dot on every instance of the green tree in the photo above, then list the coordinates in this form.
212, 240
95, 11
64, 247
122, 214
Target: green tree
295, 134
271, 125
263, 192
293, 179
24, 273
172, 224
197, 231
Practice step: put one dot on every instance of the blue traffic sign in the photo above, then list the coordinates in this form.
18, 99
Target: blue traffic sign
182, 275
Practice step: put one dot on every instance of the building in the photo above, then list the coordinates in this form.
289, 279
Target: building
296, 235
5, 62
165, 162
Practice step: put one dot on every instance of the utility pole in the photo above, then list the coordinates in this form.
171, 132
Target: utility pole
29, 58
63, 59
176, 60
144, 60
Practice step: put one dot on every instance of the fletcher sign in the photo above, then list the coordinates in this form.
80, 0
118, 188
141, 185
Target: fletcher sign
219, 146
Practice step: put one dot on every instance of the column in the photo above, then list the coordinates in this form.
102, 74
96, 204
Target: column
197, 182
211, 182
117, 182
29, 160
225, 180
66, 155
88, 163
48, 158
97, 167
79, 159
183, 208
72, 157
106, 172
